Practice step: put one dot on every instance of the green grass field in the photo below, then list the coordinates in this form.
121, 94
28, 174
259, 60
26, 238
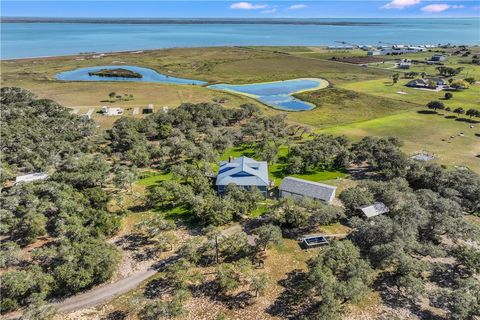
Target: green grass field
429, 132
361, 100
468, 98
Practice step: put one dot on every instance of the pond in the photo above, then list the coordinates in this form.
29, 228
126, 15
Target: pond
277, 94
148, 75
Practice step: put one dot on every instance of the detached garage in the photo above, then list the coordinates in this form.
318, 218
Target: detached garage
299, 188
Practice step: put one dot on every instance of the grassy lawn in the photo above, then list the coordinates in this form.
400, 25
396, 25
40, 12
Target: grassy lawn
336, 106
276, 171
430, 132
151, 178
469, 98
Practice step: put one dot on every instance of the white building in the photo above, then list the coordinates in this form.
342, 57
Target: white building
374, 210
112, 111
299, 188
31, 177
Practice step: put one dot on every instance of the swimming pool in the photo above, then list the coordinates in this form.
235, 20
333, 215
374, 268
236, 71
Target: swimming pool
148, 75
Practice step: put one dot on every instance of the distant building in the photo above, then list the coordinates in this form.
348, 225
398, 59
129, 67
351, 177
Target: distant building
428, 83
112, 111
404, 65
374, 53
31, 177
340, 47
244, 172
374, 210
148, 109
438, 58
299, 188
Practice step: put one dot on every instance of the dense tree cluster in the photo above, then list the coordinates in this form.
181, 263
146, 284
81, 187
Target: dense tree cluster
67, 212
39, 133
195, 131
320, 153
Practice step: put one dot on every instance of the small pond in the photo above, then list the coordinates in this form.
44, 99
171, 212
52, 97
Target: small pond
148, 75
277, 94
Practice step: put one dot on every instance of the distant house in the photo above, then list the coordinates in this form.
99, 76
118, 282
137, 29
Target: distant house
31, 177
404, 65
244, 172
428, 83
373, 210
374, 53
299, 188
148, 109
112, 111
438, 58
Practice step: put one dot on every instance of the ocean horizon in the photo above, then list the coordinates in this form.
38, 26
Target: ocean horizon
39, 37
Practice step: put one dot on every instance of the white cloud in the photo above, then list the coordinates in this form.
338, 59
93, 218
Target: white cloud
273, 10
400, 4
247, 6
297, 6
432, 8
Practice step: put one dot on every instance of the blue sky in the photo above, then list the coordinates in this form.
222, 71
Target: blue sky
243, 9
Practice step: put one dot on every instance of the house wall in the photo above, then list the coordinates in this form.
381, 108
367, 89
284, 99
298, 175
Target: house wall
285, 194
263, 189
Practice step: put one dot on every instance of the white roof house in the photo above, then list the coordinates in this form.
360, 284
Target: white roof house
373, 210
31, 177
294, 187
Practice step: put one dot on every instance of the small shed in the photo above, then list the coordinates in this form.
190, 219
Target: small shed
299, 188
373, 210
112, 111
404, 65
31, 177
148, 109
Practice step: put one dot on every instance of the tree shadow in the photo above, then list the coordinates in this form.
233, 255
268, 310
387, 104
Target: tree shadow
292, 302
133, 241
467, 120
427, 112
116, 315
393, 298
210, 290
157, 288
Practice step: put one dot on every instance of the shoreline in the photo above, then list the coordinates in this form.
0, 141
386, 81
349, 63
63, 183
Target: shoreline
322, 84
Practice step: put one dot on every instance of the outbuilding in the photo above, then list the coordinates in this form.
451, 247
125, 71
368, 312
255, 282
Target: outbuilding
31, 177
373, 210
148, 109
299, 188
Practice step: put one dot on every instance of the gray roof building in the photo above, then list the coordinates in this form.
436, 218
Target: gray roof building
31, 177
243, 171
295, 187
373, 210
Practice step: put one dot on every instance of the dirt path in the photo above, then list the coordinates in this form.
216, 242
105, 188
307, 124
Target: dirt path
102, 294
107, 292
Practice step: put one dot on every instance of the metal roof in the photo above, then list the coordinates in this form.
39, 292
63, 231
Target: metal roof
375, 209
31, 177
243, 171
309, 189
